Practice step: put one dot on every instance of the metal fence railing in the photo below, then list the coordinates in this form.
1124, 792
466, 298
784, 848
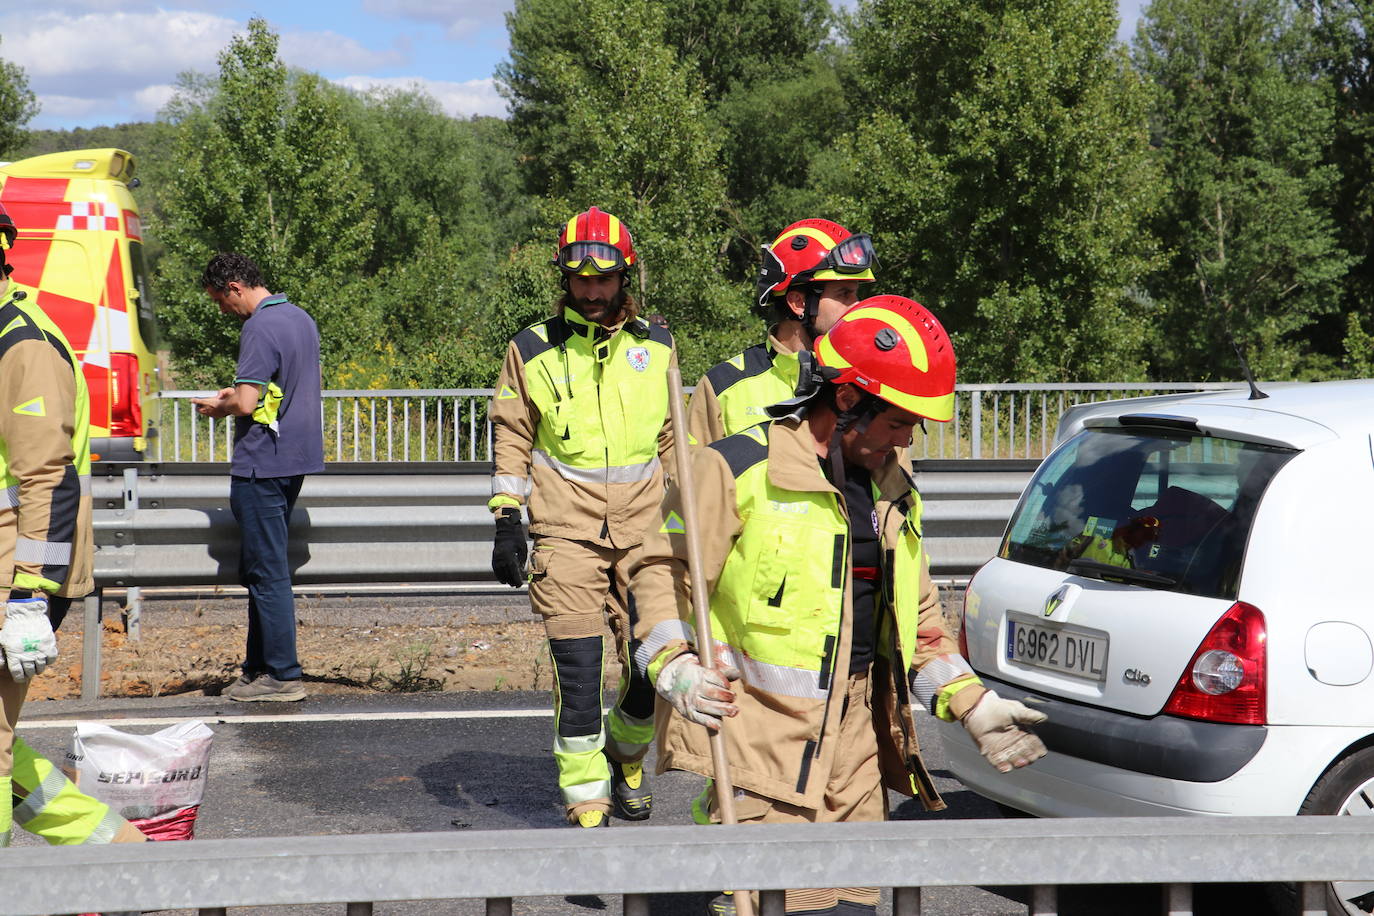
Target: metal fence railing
499, 865
450, 424
435, 424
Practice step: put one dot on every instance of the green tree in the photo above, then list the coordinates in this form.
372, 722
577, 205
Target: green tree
1006, 175
18, 105
267, 167
604, 114
1346, 49
1243, 126
426, 166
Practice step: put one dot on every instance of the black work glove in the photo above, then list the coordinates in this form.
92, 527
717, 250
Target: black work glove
508, 551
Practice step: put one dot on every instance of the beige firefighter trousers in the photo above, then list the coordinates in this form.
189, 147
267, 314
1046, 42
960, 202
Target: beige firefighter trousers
853, 792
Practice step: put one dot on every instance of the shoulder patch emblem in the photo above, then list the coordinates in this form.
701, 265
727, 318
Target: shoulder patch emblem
638, 358
756, 433
16, 323
33, 408
507, 393
673, 525
737, 361
542, 331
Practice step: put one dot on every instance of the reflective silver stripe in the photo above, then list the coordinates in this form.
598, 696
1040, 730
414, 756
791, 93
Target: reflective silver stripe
105, 831
11, 497
662, 634
47, 789
55, 553
626, 735
945, 669
622, 473
579, 744
630, 749
509, 483
587, 791
934, 674
778, 679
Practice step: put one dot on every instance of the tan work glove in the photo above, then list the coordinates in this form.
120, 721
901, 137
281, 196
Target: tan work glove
993, 724
702, 696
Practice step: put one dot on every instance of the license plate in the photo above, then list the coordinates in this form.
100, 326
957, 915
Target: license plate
1056, 647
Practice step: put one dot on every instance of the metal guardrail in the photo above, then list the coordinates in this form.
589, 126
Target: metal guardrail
170, 525
499, 865
450, 424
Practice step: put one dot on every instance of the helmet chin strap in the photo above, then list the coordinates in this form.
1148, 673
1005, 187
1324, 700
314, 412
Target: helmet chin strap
856, 418
811, 311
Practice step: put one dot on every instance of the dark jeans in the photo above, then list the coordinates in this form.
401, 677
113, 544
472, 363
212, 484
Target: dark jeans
262, 507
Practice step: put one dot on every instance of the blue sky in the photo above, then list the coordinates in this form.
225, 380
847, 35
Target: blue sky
94, 62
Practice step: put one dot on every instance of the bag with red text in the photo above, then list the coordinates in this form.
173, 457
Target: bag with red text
155, 781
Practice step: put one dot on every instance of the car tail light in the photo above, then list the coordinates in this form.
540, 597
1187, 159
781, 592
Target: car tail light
1225, 680
126, 413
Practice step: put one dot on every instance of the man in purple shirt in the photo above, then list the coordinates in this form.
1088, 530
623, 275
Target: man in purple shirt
275, 402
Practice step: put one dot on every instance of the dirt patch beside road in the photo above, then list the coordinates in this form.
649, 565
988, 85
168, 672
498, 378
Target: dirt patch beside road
341, 652
356, 644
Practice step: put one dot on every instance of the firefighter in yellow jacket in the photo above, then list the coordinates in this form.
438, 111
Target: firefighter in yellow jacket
582, 439
809, 276
46, 552
823, 612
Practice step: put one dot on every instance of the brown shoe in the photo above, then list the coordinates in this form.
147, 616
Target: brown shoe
265, 689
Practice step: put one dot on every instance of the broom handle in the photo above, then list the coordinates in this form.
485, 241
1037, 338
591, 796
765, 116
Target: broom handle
725, 788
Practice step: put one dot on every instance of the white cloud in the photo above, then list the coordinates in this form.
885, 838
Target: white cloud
74, 49
70, 107
121, 66
331, 51
460, 100
152, 98
460, 19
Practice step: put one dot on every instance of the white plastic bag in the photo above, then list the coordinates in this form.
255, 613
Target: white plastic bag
155, 781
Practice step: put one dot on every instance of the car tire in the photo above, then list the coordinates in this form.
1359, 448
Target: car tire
1346, 788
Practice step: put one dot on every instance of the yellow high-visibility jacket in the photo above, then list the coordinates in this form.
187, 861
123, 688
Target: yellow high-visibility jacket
776, 555
582, 433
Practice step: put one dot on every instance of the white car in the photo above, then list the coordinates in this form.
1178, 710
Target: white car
1187, 590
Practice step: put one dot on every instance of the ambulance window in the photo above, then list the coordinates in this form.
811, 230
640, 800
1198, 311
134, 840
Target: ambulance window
147, 318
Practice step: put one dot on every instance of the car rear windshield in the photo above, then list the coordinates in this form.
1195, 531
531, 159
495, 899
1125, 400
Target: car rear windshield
1162, 510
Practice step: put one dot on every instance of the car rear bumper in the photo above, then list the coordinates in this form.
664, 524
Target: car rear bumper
1165, 746
1271, 780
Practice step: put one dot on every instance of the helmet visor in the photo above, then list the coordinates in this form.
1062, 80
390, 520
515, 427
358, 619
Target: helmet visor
852, 256
587, 258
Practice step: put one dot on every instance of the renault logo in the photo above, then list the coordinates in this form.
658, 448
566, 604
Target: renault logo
1056, 600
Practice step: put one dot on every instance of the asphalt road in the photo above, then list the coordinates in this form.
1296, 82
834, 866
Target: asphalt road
350, 772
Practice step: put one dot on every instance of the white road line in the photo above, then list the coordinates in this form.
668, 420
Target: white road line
300, 717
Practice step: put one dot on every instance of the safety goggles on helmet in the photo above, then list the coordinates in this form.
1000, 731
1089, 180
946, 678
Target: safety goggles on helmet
852, 256
587, 259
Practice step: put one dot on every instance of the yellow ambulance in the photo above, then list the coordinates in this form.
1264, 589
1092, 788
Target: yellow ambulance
81, 246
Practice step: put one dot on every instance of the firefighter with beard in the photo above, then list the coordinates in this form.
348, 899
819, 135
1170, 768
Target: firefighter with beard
826, 625
808, 277
582, 438
46, 552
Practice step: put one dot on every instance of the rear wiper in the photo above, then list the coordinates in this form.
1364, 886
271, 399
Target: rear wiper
1095, 570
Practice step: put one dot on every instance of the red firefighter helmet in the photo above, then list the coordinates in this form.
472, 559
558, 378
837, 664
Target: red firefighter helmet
594, 243
814, 250
896, 350
8, 235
